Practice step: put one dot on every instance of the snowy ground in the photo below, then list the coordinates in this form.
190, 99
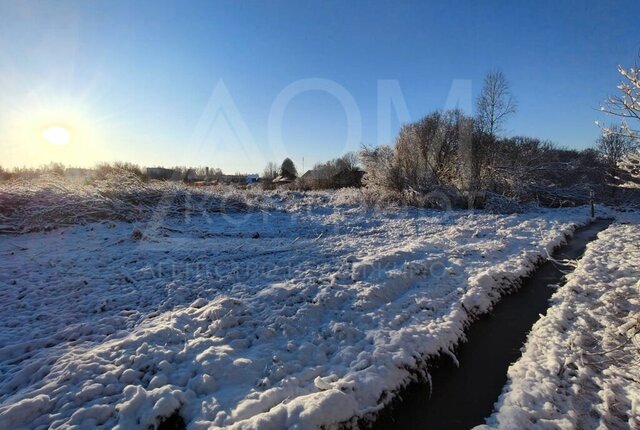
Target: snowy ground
581, 364
263, 320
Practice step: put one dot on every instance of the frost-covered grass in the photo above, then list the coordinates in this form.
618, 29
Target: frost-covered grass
311, 314
49, 201
580, 368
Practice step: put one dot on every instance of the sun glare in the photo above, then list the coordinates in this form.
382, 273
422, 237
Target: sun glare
56, 135
43, 133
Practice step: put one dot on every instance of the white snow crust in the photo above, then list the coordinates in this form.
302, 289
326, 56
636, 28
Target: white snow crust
284, 319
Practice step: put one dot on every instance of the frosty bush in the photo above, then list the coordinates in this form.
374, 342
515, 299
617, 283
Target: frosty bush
437, 155
447, 155
340, 172
629, 166
381, 168
430, 152
106, 170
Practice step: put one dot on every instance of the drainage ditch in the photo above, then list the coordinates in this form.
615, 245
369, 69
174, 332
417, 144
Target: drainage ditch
461, 397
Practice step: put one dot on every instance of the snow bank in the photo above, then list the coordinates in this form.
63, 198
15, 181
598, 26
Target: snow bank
580, 365
313, 321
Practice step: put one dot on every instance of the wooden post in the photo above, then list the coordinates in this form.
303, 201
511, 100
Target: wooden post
593, 209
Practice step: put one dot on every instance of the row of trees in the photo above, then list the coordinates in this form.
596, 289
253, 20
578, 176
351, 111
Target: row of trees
465, 158
337, 173
103, 170
286, 170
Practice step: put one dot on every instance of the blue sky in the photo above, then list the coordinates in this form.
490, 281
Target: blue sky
194, 83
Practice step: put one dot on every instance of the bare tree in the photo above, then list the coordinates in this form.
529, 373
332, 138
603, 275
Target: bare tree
495, 103
627, 105
348, 161
4, 174
337, 173
271, 170
613, 146
630, 166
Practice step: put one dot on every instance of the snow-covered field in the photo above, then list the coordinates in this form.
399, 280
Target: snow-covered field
275, 319
581, 365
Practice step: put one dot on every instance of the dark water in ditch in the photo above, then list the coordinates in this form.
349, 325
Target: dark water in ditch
462, 397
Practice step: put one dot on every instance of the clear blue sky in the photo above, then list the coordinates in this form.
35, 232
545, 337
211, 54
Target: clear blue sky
132, 80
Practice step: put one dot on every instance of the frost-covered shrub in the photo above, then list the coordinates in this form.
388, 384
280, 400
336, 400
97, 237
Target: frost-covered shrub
440, 156
436, 151
629, 166
382, 171
445, 154
531, 170
106, 170
367, 197
383, 198
501, 204
340, 172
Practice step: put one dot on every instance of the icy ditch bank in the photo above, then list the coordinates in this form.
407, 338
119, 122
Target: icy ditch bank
477, 374
580, 367
314, 321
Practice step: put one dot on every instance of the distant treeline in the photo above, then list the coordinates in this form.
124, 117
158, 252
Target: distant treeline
102, 170
451, 159
447, 155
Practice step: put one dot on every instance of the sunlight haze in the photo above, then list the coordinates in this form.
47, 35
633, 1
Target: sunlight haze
134, 80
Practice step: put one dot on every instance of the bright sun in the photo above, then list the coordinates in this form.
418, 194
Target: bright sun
56, 135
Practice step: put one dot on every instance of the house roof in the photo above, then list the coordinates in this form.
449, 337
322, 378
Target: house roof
282, 180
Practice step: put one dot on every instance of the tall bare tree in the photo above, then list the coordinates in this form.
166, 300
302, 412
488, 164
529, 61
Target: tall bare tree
271, 170
614, 145
495, 103
627, 105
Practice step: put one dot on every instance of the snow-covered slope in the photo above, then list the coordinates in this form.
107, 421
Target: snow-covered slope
581, 364
258, 320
